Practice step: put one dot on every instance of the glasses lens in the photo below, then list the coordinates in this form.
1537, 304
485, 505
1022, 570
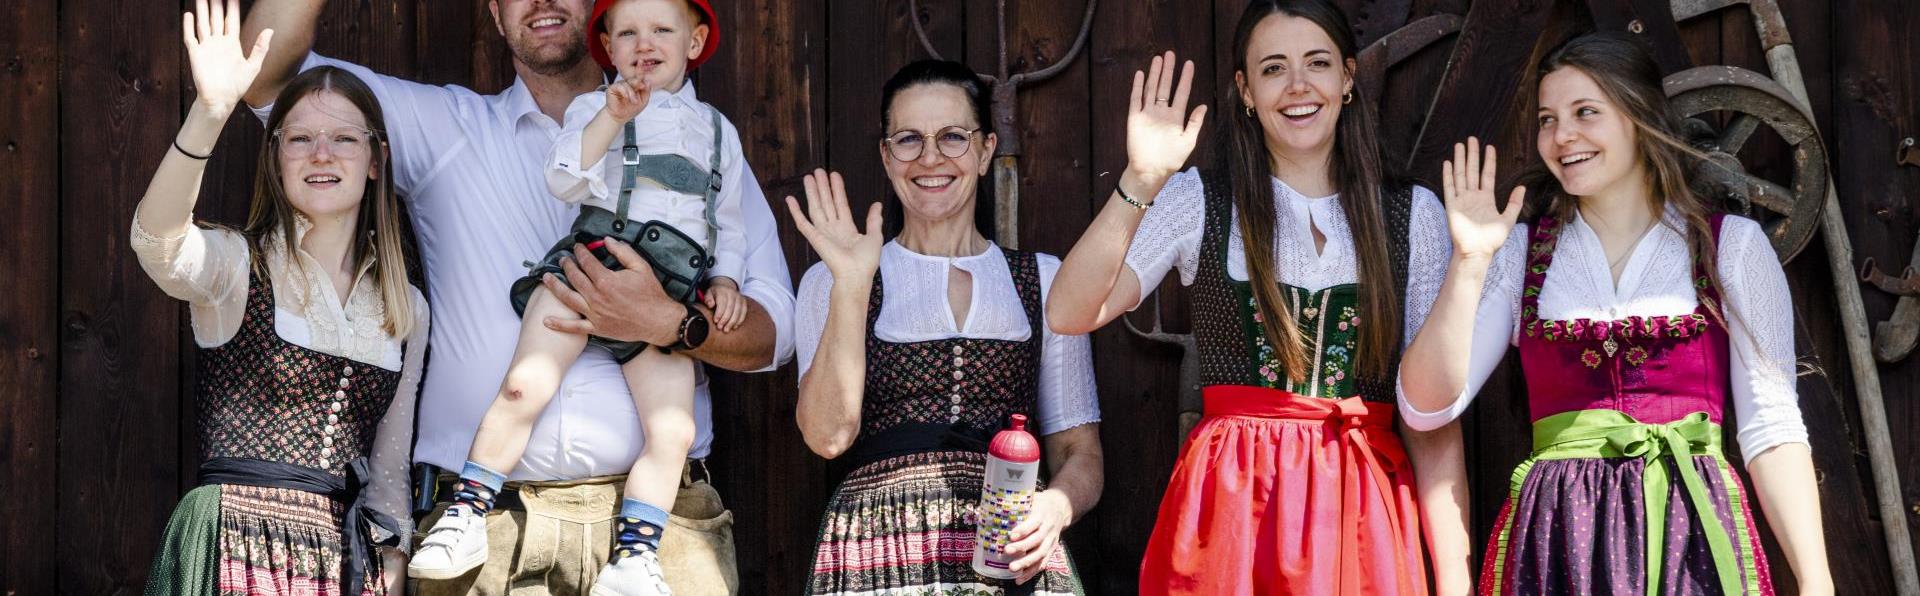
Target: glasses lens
954, 141
906, 145
347, 143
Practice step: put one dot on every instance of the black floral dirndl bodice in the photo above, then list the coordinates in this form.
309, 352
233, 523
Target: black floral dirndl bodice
262, 397
1226, 321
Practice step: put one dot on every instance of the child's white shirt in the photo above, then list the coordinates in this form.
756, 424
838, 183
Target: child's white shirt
672, 124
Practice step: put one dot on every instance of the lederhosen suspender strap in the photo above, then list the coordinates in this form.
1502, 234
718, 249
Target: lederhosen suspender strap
672, 172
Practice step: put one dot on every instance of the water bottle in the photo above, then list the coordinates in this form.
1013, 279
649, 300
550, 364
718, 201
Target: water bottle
1013, 468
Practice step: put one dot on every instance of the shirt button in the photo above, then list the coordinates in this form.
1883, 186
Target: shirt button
957, 361
956, 398
343, 383
328, 429
957, 350
348, 371
325, 463
340, 395
326, 452
957, 375
956, 409
333, 419
327, 441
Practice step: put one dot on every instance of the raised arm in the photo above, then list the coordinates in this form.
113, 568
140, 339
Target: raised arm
1094, 285
221, 74
1434, 371
835, 381
293, 21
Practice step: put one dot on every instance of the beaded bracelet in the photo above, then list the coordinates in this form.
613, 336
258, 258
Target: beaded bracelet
1136, 204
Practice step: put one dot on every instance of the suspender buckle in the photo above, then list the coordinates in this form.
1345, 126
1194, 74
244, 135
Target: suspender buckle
630, 155
713, 180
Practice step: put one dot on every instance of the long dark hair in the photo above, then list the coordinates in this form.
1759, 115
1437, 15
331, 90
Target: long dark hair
378, 234
1626, 72
935, 72
1358, 174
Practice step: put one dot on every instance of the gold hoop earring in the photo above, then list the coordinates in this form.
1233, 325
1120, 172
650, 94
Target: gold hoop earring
1249, 111
1348, 98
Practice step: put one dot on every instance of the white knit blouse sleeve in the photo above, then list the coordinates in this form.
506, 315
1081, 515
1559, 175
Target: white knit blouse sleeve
1495, 319
1068, 397
1169, 234
1766, 400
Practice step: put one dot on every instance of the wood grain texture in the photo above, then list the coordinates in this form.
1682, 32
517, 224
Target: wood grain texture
767, 77
120, 86
30, 310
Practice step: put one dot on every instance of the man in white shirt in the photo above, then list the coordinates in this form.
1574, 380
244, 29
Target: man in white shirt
472, 170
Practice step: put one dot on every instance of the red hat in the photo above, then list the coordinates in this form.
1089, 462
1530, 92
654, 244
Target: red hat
599, 50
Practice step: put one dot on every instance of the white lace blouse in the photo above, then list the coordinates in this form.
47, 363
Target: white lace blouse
915, 309
1169, 237
209, 269
1656, 282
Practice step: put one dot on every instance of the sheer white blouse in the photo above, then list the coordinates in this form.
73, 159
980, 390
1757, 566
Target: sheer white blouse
915, 309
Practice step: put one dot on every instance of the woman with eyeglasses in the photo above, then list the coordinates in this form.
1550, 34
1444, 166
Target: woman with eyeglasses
311, 338
914, 351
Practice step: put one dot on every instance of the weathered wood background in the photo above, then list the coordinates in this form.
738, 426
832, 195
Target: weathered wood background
96, 364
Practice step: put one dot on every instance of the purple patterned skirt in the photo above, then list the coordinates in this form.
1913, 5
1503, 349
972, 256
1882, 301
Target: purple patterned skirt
1579, 526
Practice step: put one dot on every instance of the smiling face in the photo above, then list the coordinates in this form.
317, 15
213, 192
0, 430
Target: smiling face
934, 187
326, 156
1586, 140
549, 36
653, 40
1293, 80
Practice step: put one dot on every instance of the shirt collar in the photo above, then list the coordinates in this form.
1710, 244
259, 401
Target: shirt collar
520, 103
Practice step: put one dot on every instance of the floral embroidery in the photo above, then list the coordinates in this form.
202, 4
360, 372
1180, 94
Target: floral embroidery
1590, 358
1636, 355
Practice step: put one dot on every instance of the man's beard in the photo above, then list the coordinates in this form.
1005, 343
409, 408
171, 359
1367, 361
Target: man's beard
550, 59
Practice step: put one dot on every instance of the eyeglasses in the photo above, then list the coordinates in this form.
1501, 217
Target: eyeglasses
348, 142
908, 145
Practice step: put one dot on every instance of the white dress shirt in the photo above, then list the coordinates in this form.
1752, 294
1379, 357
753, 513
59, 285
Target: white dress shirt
472, 169
1657, 281
672, 124
916, 310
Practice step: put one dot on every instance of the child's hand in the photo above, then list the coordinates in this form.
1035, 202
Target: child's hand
626, 98
729, 307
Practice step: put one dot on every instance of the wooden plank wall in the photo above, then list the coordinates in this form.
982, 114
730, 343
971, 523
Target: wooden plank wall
96, 366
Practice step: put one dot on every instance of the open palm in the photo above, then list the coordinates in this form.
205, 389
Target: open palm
1160, 132
221, 73
829, 226
1478, 226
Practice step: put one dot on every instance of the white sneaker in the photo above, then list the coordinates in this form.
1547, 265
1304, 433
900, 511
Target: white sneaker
456, 544
638, 575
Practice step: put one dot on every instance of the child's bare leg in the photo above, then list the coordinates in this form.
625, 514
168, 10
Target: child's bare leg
457, 543
540, 360
662, 386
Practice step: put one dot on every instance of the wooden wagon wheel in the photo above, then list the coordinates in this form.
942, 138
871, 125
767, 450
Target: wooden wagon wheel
1790, 213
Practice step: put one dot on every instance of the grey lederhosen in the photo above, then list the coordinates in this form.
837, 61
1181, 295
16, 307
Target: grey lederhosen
679, 262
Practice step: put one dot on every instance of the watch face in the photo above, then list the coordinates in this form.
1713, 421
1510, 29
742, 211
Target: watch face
696, 330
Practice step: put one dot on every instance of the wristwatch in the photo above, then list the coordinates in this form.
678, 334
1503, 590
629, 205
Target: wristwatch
693, 330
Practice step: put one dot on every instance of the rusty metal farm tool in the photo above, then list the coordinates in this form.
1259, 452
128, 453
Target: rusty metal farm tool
1894, 338
1006, 115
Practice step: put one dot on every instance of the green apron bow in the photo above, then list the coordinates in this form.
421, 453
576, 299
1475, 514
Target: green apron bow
1611, 433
